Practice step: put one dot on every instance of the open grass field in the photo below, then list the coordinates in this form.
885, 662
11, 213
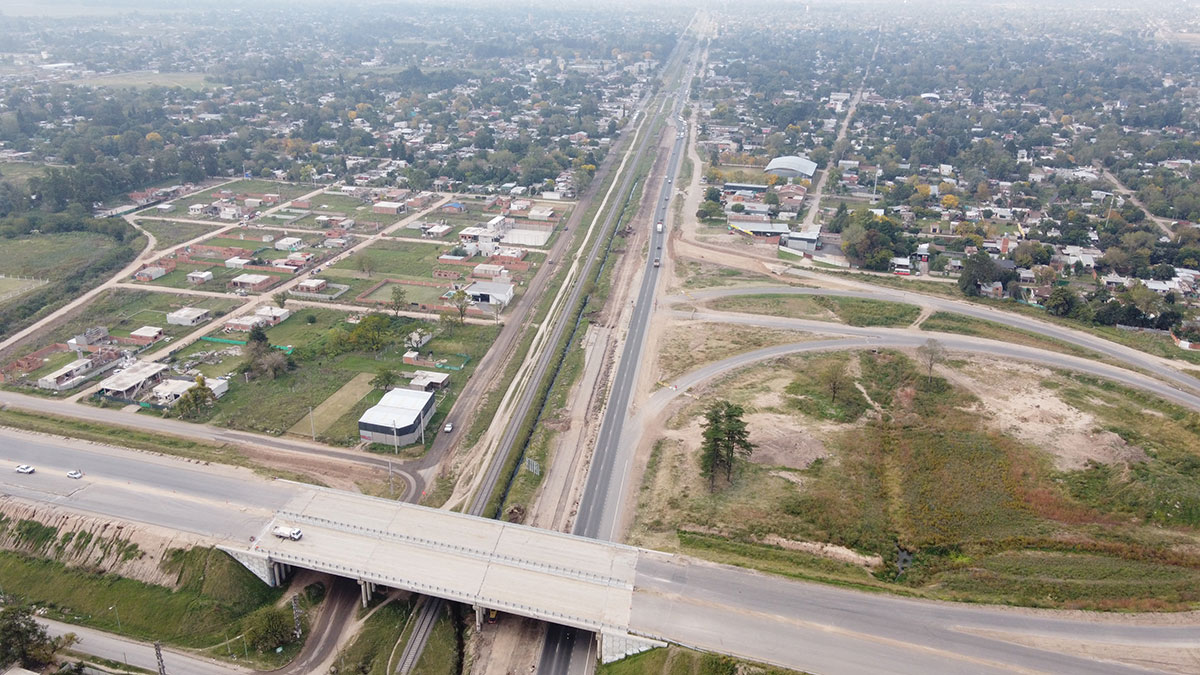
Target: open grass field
169, 232
142, 79
51, 256
414, 293
852, 311
11, 287
947, 322
335, 406
696, 275
19, 173
398, 259
947, 469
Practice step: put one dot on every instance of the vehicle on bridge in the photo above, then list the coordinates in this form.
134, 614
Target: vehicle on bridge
292, 533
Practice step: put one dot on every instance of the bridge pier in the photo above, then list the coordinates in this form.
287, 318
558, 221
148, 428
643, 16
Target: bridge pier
367, 589
478, 617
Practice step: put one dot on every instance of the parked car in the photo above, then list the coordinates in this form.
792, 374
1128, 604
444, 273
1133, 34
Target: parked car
24, 468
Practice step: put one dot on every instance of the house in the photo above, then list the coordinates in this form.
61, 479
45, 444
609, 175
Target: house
491, 292
188, 316
197, 209
426, 380
149, 273
146, 335
334, 242
132, 381
168, 392
78, 371
267, 316
229, 212
252, 282
199, 277
387, 208
808, 239
901, 266
993, 290
312, 285
398, 419
542, 213
236, 263
96, 335
289, 244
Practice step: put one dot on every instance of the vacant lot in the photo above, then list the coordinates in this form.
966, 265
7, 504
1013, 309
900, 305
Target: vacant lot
853, 311
693, 275
954, 470
946, 322
141, 79
686, 346
20, 172
169, 232
52, 256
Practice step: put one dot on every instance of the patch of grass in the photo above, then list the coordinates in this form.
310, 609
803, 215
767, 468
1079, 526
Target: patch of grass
852, 311
373, 646
812, 397
698, 275
948, 322
214, 593
441, 655
168, 233
674, 660
53, 256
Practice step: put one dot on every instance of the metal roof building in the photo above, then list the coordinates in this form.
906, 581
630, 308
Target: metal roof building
399, 418
792, 166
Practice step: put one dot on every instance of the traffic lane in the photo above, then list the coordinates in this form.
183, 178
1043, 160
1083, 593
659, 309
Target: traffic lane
894, 337
1076, 337
53, 458
138, 654
875, 620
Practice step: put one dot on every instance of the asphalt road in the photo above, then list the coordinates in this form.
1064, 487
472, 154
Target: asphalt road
219, 502
137, 654
823, 629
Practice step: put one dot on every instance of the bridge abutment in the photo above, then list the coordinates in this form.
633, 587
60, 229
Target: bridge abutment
616, 646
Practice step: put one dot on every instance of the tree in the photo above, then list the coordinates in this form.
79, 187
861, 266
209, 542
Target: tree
195, 399
736, 442
738, 208
23, 640
365, 264
372, 333
834, 380
712, 455
461, 303
385, 379
713, 194
1061, 301
771, 199
1044, 275
931, 354
841, 218
709, 211
280, 298
273, 364
399, 298
268, 628
949, 202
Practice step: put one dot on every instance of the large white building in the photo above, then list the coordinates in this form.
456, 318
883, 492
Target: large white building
398, 419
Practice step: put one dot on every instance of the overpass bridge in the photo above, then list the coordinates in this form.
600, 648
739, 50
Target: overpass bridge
488, 564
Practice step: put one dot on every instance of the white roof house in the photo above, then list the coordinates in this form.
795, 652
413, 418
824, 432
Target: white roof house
289, 244
187, 316
791, 166
131, 380
491, 292
399, 417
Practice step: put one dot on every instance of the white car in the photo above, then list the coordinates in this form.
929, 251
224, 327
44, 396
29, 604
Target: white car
24, 468
449, 427
76, 474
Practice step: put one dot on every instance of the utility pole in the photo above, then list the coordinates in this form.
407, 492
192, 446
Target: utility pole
390, 490
395, 438
162, 668
295, 617
312, 425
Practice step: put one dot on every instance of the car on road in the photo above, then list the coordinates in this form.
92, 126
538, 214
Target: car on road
76, 474
656, 262
24, 468
449, 427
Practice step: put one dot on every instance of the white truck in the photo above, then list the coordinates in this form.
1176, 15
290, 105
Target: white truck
658, 228
292, 533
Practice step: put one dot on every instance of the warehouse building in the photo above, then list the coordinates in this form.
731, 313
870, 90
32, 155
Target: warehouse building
398, 419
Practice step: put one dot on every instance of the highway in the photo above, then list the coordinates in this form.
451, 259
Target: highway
212, 501
138, 654
567, 650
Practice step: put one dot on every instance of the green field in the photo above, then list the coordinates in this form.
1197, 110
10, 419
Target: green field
143, 79
51, 256
399, 259
19, 173
853, 311
679, 661
169, 232
373, 646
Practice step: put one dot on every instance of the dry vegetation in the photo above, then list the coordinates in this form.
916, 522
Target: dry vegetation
1005, 483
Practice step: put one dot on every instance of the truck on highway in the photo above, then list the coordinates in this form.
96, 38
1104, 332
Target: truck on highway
292, 533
